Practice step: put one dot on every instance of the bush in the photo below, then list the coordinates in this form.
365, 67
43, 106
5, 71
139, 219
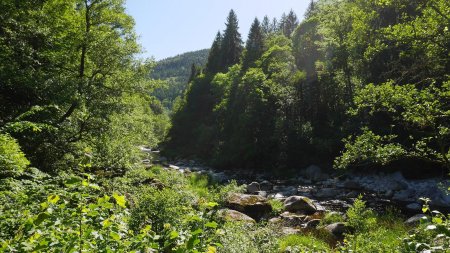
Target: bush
432, 235
359, 217
277, 206
247, 238
157, 208
377, 240
302, 243
12, 161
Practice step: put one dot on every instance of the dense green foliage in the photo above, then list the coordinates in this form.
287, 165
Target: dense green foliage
70, 83
12, 161
364, 81
175, 72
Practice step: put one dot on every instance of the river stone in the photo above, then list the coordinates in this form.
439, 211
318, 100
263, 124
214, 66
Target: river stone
327, 193
266, 186
299, 204
261, 193
312, 223
337, 229
292, 219
254, 206
253, 187
415, 220
404, 195
352, 185
233, 215
290, 231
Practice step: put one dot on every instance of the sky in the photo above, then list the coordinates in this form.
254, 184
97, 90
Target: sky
170, 27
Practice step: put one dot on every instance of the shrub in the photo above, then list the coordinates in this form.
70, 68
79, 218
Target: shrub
157, 208
12, 161
377, 240
277, 206
302, 243
432, 235
331, 217
359, 217
239, 238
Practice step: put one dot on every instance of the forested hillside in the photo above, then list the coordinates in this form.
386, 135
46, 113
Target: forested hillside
175, 71
355, 84
282, 143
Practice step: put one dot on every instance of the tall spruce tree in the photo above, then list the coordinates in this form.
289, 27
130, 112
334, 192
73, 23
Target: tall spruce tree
232, 42
289, 23
215, 55
254, 46
266, 26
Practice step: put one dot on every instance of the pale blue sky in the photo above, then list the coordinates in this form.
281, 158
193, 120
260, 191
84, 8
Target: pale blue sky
170, 27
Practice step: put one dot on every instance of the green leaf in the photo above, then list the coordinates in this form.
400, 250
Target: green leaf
72, 181
115, 236
198, 231
120, 200
173, 235
40, 218
53, 199
212, 224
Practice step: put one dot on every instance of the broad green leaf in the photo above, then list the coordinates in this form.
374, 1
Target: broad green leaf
53, 199
212, 224
120, 200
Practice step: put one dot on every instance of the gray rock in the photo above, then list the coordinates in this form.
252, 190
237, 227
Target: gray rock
174, 167
253, 188
299, 204
327, 193
396, 185
233, 215
337, 229
262, 193
352, 194
253, 205
266, 186
275, 220
290, 231
292, 219
352, 185
277, 195
415, 220
404, 195
312, 223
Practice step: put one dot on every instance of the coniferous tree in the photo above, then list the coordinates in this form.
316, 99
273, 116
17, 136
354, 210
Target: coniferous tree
195, 71
289, 23
231, 43
266, 26
213, 64
274, 26
254, 46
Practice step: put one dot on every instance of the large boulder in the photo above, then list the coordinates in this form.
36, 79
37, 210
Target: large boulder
233, 215
253, 187
254, 206
299, 204
292, 219
337, 229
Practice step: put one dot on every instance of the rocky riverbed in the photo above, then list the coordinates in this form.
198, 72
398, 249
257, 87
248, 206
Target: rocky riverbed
333, 191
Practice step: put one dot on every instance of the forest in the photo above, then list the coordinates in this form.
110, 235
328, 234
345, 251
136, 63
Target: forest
326, 132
